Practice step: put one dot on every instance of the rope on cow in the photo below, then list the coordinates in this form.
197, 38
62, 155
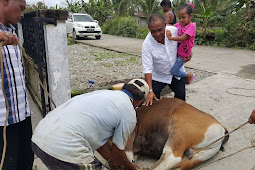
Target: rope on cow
253, 145
238, 88
190, 157
228, 156
217, 140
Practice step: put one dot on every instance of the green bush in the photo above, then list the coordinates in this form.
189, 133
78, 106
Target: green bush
220, 37
236, 33
142, 32
124, 26
240, 33
200, 38
127, 27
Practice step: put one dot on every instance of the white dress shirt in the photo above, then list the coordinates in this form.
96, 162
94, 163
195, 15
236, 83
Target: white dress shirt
158, 58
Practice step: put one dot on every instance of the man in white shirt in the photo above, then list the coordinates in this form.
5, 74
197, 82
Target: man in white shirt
158, 57
68, 136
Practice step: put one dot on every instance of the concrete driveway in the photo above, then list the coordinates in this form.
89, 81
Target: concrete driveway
228, 95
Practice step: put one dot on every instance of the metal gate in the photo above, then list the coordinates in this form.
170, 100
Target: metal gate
34, 44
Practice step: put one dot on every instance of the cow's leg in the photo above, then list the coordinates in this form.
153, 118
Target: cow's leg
199, 157
213, 133
129, 147
171, 156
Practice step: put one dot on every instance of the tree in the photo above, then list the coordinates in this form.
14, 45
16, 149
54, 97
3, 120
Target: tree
149, 6
177, 3
35, 7
125, 8
99, 10
206, 16
74, 7
251, 10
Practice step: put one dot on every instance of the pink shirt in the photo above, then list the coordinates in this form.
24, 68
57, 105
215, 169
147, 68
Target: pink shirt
184, 47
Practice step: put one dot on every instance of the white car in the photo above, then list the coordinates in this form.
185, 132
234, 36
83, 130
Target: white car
82, 25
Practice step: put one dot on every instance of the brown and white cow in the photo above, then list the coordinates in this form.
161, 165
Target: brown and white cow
171, 129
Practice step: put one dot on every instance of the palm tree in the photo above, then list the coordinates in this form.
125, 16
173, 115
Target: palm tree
99, 9
125, 7
149, 6
206, 16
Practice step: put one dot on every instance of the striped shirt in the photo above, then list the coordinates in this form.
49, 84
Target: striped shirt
14, 84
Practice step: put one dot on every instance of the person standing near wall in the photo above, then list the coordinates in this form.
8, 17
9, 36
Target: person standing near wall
19, 154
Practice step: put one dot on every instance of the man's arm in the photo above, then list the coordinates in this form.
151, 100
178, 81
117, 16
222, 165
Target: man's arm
252, 117
151, 95
105, 152
119, 159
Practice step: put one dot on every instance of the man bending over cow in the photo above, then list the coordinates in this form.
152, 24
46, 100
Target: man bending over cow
68, 136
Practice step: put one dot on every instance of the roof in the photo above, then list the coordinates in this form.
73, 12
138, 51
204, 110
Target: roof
78, 14
141, 15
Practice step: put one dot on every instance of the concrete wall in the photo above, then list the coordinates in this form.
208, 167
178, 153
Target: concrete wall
57, 60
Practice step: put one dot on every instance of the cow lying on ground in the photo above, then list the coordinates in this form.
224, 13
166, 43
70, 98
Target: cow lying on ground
171, 129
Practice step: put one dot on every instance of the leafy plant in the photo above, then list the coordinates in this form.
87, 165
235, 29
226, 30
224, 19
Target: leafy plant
206, 16
123, 26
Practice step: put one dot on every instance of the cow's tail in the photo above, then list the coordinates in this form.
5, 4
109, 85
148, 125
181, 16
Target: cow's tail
224, 140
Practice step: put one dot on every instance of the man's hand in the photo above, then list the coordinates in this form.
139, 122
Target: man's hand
252, 117
149, 99
119, 159
8, 38
168, 34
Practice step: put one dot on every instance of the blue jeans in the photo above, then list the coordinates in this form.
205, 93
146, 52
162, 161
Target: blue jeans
176, 68
177, 86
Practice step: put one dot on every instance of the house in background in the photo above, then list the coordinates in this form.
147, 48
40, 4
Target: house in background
141, 19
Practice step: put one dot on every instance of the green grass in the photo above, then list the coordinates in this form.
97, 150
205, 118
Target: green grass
106, 64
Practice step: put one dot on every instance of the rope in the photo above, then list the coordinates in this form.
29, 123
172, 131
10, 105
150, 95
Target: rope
32, 64
7, 106
6, 100
190, 157
253, 145
237, 88
228, 156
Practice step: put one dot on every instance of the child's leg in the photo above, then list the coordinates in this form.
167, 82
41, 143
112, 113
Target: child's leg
176, 68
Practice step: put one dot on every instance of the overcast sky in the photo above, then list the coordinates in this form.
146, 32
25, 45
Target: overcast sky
49, 3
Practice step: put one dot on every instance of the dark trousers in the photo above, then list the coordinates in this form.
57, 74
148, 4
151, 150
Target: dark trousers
177, 86
56, 164
19, 154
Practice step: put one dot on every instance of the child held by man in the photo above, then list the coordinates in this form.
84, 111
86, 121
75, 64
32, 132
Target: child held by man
185, 38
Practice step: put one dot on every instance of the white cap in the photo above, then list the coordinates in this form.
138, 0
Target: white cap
141, 85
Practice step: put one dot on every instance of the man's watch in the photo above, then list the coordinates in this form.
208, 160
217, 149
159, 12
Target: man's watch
150, 90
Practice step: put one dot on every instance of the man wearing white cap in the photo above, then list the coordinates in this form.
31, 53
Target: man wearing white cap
68, 136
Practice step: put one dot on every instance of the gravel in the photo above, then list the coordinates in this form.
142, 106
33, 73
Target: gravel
96, 68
